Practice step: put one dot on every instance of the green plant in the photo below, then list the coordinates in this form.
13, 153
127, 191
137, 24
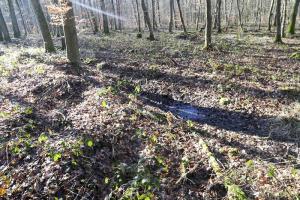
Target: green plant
224, 101
42, 138
56, 156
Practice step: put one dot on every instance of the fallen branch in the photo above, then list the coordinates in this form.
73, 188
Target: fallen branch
234, 191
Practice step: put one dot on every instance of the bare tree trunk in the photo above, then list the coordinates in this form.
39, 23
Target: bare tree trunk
229, 15
71, 35
260, 15
198, 18
3, 28
283, 23
225, 11
270, 15
208, 28
17, 33
138, 19
291, 28
181, 16
278, 22
104, 17
171, 22
219, 4
93, 19
49, 46
147, 19
114, 12
1, 36
153, 15
119, 13
158, 12
22, 18
240, 14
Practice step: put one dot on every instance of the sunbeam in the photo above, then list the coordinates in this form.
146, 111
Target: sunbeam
98, 10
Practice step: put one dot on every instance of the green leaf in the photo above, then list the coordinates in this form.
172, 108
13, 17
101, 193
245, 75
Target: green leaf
16, 150
153, 139
271, 171
43, 138
224, 101
104, 104
90, 143
190, 123
250, 163
106, 180
56, 156
28, 111
294, 172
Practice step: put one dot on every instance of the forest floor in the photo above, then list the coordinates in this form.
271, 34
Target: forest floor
114, 129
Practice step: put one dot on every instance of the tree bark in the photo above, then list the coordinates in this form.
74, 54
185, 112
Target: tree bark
181, 16
291, 28
171, 22
147, 20
71, 35
278, 22
138, 19
17, 33
48, 43
1, 36
154, 15
22, 17
114, 12
270, 15
283, 23
208, 28
158, 13
240, 14
119, 13
104, 17
4, 28
219, 4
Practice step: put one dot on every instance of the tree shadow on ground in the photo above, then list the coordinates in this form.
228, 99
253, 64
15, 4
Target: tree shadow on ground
239, 122
191, 81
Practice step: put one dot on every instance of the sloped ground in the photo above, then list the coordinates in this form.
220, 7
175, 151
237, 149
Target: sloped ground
89, 134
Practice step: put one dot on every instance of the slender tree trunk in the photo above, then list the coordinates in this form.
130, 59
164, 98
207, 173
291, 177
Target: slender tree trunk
158, 12
270, 15
240, 14
278, 22
292, 23
49, 46
119, 13
17, 33
208, 28
138, 19
71, 35
225, 11
104, 17
93, 19
114, 12
181, 16
147, 19
1, 36
229, 15
3, 28
153, 15
171, 22
283, 23
22, 17
219, 4
260, 15
198, 18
